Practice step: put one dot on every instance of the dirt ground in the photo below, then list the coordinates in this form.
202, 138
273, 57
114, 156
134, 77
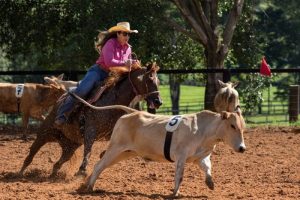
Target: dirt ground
269, 169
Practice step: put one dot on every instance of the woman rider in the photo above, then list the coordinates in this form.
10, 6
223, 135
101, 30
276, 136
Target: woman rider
114, 52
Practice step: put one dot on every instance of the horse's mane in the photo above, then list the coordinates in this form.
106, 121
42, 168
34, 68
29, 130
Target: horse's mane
115, 78
118, 75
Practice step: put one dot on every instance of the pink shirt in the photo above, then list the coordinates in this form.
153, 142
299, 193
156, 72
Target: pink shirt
113, 54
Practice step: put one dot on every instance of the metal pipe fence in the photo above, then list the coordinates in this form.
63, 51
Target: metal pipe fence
271, 111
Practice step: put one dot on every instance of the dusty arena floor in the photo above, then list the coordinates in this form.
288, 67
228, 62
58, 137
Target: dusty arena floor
269, 169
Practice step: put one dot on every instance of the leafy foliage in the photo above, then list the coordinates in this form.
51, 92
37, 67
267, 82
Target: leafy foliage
246, 49
252, 92
279, 27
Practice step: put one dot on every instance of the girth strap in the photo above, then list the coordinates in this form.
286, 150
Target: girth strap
167, 146
98, 94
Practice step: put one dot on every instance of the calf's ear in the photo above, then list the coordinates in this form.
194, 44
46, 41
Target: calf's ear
60, 77
225, 115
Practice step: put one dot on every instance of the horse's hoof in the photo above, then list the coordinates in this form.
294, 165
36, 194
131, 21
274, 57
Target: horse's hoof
21, 172
53, 175
84, 189
24, 138
210, 184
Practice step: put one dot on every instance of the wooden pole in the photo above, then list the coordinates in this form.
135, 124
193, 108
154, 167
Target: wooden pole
293, 103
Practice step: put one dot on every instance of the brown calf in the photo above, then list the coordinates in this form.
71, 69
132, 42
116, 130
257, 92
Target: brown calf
34, 102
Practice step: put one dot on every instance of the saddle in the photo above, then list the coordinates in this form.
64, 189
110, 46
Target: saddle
116, 75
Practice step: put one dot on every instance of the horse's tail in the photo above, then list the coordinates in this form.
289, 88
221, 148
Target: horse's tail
125, 108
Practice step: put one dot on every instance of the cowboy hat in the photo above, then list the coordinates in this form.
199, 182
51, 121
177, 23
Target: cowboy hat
122, 26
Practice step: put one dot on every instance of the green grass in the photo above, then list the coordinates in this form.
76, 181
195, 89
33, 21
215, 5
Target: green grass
191, 98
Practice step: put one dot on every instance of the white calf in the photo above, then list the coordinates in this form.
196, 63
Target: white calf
143, 134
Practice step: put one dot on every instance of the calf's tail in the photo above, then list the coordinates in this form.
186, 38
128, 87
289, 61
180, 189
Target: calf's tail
125, 108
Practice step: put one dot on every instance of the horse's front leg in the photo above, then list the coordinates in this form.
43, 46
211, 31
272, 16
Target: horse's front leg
89, 139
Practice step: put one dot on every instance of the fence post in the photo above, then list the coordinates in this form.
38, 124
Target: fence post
226, 75
293, 103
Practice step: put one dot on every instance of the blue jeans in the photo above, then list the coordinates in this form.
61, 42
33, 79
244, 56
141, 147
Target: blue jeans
92, 78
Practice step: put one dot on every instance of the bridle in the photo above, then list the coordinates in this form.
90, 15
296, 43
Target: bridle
145, 95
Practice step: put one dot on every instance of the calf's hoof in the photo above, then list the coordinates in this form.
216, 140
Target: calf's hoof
210, 184
175, 194
84, 188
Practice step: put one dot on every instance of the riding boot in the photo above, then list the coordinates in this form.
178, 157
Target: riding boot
94, 75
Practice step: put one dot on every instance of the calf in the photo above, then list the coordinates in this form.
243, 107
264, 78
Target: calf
226, 99
59, 80
143, 134
34, 102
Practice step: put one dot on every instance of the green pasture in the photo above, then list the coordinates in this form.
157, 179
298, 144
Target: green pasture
192, 96
192, 100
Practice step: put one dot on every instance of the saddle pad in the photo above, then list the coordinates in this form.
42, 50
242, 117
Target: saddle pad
19, 90
173, 123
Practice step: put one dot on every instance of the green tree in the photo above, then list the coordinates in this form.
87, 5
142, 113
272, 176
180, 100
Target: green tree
278, 26
60, 34
213, 24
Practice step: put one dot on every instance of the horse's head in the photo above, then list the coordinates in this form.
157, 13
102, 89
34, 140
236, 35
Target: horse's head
227, 98
146, 84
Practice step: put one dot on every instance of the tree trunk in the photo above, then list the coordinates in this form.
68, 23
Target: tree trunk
213, 61
174, 93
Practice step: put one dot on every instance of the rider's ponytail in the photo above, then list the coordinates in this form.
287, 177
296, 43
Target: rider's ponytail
102, 38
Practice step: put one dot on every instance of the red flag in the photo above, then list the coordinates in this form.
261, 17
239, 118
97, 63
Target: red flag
264, 68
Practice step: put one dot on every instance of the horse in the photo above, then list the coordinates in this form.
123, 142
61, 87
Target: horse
227, 98
84, 127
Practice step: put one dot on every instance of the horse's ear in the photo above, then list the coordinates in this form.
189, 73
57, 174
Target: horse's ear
234, 85
221, 84
155, 67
